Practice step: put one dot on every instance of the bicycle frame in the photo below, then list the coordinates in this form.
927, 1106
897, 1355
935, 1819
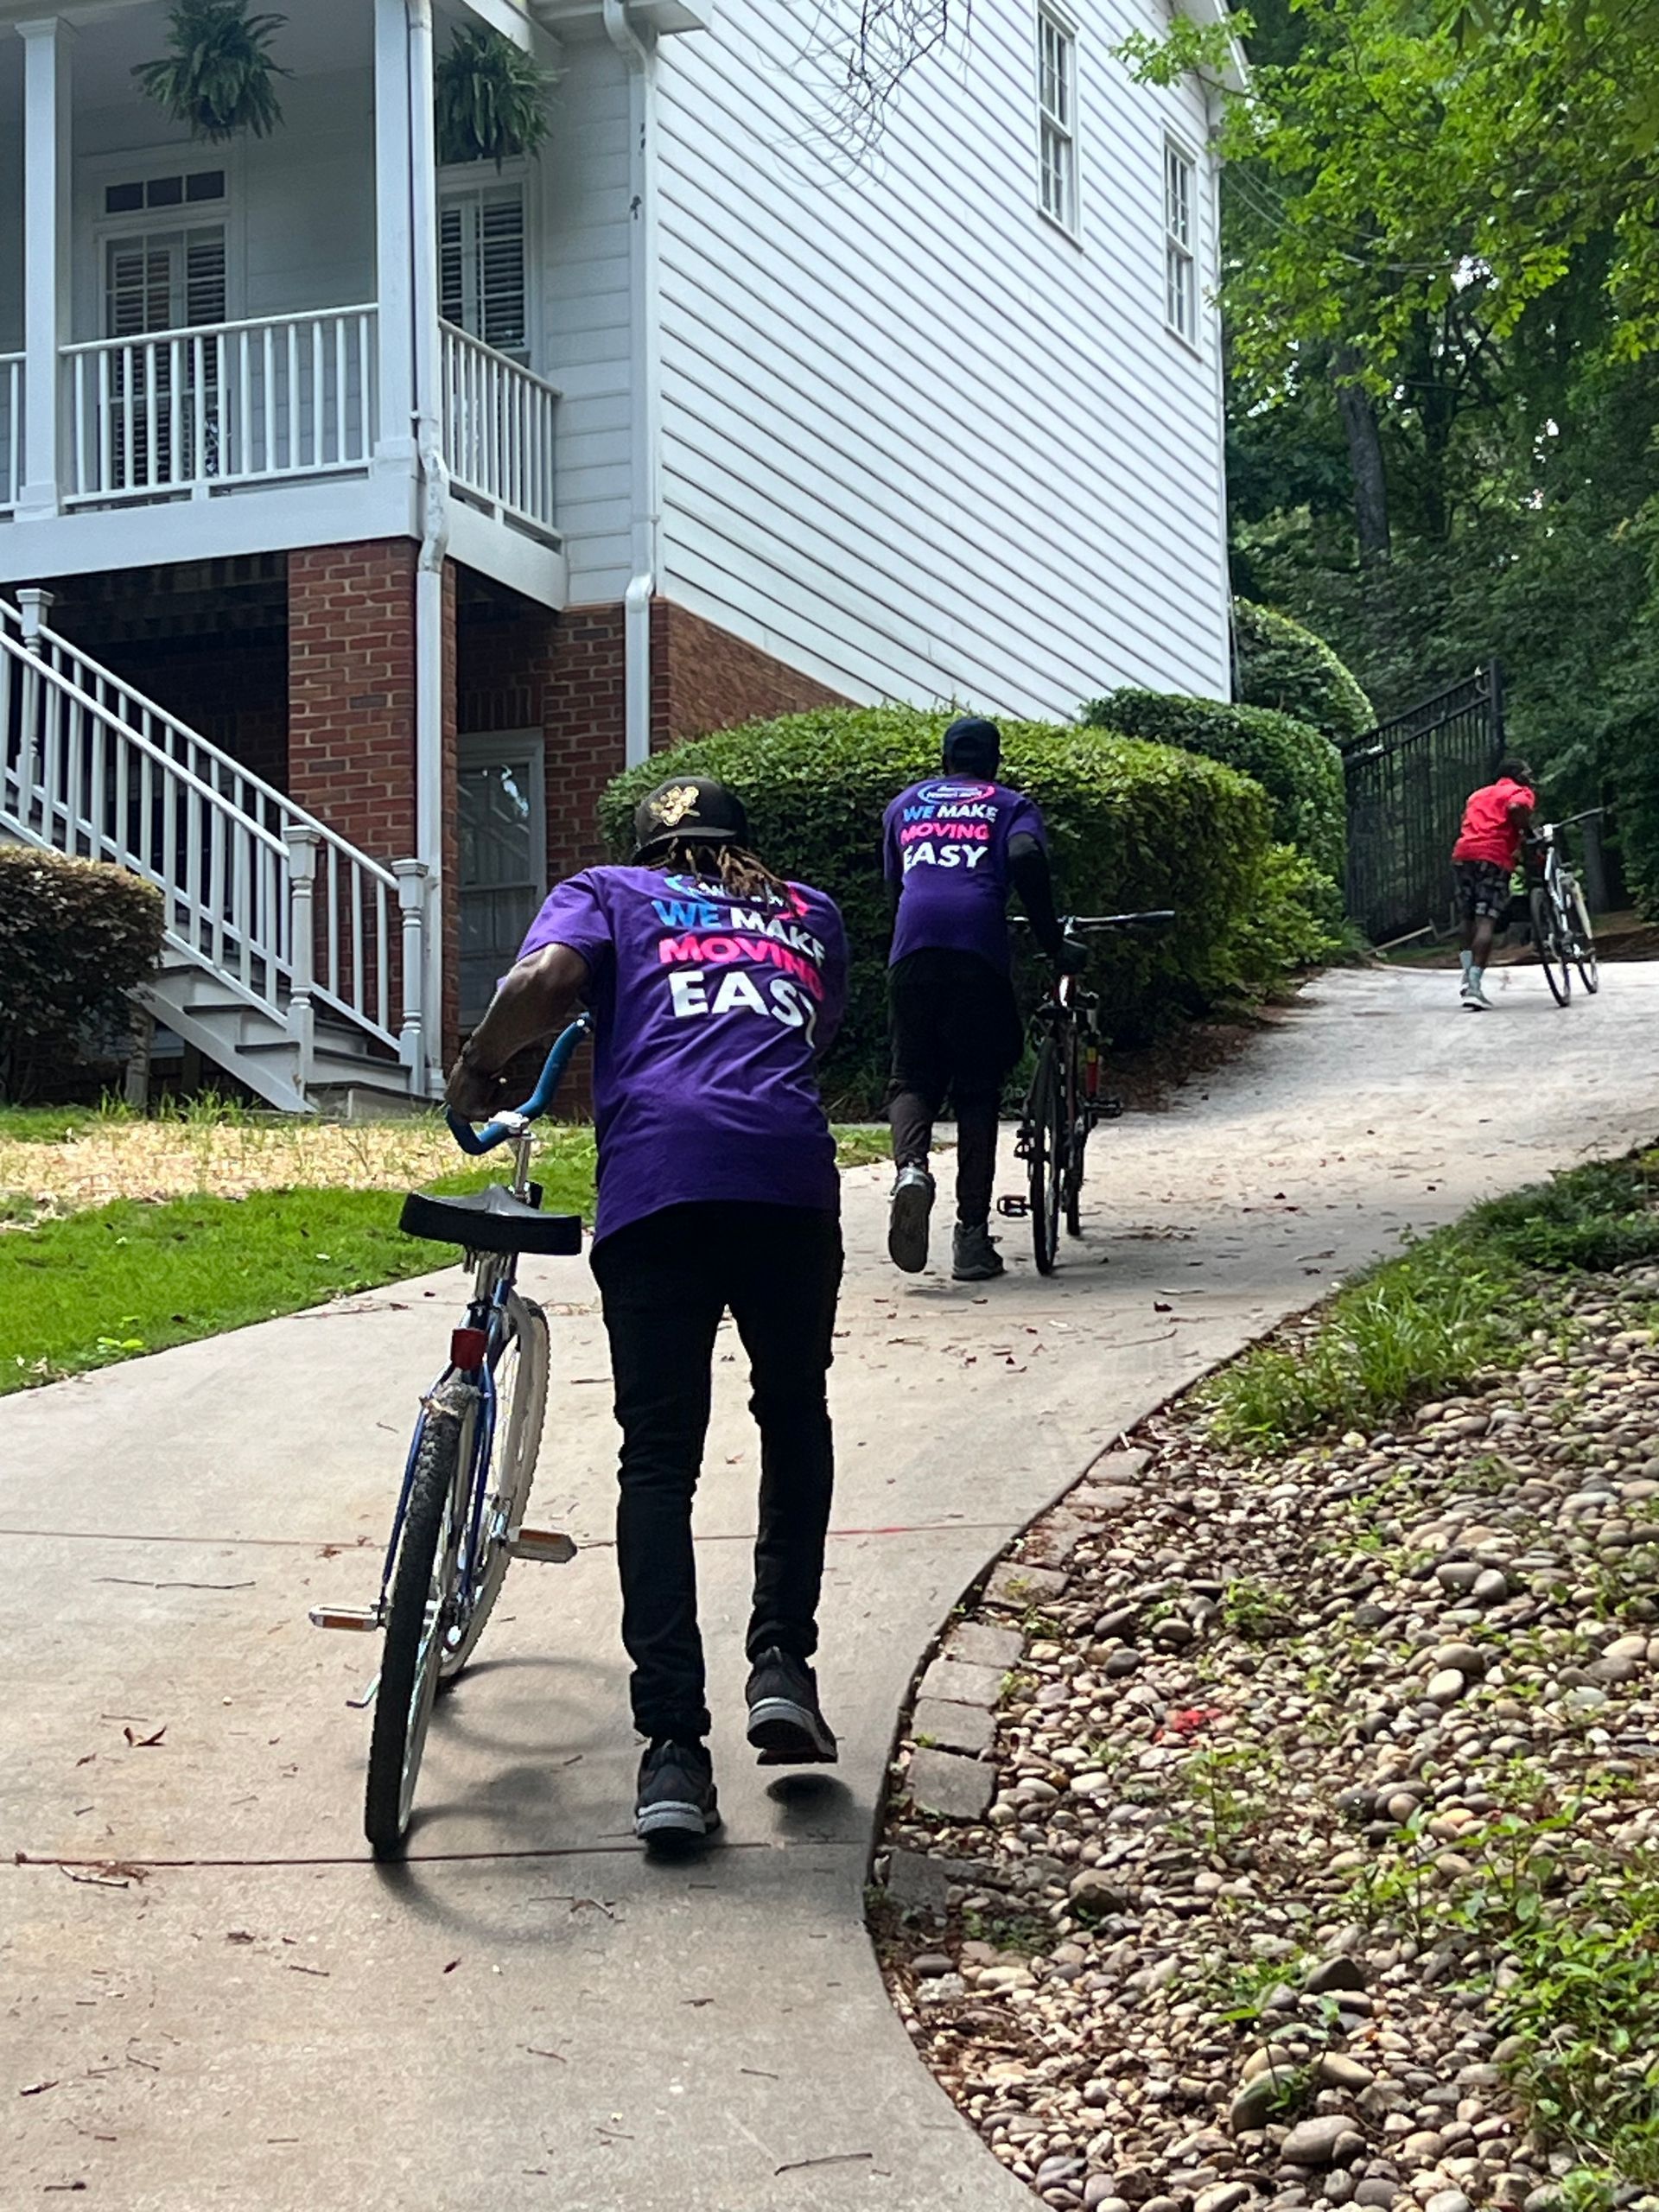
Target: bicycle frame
473, 1346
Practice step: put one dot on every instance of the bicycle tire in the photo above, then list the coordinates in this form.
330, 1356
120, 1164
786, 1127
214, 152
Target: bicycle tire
1076, 1132
521, 1359
422, 1583
1584, 942
1547, 943
1046, 1121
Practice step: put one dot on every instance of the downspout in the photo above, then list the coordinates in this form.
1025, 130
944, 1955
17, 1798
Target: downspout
434, 480
1212, 97
643, 356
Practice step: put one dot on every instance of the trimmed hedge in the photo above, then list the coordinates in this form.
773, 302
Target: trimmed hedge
1278, 664
74, 938
1299, 770
1131, 826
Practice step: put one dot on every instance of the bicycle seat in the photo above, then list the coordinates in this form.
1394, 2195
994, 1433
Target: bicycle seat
491, 1220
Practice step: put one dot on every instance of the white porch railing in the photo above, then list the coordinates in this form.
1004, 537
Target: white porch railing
278, 904
11, 429
498, 422
235, 403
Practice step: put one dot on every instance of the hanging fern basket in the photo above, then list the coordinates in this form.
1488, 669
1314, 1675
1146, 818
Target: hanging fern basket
217, 77
490, 99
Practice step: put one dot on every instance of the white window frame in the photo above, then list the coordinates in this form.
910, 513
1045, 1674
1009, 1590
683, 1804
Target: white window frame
1056, 121
1182, 232
460, 178
96, 229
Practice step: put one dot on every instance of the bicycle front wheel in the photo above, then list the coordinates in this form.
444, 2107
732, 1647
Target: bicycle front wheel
1046, 1121
518, 1366
1583, 940
419, 1615
1546, 941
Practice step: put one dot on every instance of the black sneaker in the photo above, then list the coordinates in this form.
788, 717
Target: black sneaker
676, 1801
911, 1204
786, 1725
974, 1256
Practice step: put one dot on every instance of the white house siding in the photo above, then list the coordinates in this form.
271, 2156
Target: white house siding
915, 440
583, 256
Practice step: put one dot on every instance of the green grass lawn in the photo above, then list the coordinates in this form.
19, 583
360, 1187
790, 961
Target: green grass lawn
113, 1281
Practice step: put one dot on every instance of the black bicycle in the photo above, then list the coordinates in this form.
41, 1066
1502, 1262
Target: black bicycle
1561, 934
1063, 1102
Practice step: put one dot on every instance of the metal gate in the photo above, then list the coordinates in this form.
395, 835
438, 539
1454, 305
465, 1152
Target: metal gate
1407, 780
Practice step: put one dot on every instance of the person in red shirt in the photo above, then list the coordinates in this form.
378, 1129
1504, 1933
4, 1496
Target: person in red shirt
1495, 821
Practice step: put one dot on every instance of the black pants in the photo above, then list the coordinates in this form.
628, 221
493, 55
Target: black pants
955, 1030
664, 1282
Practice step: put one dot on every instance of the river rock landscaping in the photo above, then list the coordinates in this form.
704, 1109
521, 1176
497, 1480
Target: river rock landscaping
1281, 1827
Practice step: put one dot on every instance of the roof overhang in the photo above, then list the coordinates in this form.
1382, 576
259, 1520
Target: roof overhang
1235, 75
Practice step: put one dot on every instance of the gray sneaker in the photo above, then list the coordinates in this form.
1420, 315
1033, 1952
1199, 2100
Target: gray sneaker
913, 1202
974, 1257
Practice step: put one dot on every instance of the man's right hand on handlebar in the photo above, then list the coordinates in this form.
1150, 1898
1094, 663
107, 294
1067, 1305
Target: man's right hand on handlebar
470, 1092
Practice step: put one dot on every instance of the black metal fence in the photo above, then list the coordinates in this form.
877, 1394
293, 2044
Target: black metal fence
1407, 780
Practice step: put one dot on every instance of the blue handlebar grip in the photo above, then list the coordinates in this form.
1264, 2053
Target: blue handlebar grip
547, 1083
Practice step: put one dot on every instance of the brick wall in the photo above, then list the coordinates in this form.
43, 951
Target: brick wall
350, 737
703, 678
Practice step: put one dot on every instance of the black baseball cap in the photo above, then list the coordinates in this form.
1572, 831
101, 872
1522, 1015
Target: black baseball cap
973, 746
694, 810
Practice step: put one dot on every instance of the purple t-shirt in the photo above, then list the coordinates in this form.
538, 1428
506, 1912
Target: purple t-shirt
945, 844
710, 1014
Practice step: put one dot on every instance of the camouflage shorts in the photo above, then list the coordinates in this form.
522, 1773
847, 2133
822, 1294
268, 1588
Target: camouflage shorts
1482, 888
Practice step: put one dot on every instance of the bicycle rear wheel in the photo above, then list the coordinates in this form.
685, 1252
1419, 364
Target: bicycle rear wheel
1582, 937
417, 1620
519, 1367
1546, 941
1046, 1121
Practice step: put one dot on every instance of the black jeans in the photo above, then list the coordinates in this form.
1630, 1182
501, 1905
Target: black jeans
956, 1029
664, 1282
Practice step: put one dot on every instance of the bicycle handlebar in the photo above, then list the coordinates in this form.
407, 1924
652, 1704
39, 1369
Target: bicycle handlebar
1070, 922
513, 1123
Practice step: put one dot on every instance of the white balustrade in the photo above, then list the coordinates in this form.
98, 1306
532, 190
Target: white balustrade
92, 768
235, 403
499, 424
11, 429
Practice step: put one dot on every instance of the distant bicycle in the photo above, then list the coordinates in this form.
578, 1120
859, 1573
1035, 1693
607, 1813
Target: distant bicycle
1063, 1102
460, 1517
1559, 916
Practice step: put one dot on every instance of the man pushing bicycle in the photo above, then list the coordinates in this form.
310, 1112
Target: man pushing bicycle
954, 846
715, 985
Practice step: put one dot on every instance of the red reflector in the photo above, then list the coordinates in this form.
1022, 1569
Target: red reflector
466, 1348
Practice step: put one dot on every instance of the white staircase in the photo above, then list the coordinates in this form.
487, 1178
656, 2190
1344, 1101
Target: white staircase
291, 960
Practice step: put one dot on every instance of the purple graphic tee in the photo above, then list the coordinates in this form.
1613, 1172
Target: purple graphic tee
710, 1014
945, 844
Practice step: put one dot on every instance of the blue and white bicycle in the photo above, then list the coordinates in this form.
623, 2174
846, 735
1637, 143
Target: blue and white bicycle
461, 1516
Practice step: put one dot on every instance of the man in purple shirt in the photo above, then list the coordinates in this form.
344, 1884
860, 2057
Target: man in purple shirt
953, 848
714, 986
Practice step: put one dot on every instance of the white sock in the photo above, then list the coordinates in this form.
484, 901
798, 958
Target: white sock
1468, 960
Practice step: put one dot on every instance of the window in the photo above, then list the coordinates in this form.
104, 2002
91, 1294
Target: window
1057, 104
169, 280
164, 191
481, 264
1180, 244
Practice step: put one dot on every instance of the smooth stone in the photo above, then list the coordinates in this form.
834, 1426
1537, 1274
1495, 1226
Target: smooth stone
1446, 1686
1314, 2142
1447, 2200
1343, 1972
1338, 2071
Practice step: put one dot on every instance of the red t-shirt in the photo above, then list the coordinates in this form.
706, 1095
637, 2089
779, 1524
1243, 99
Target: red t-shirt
1488, 834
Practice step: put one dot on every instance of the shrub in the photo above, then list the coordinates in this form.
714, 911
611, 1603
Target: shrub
1131, 825
1278, 664
1299, 770
75, 936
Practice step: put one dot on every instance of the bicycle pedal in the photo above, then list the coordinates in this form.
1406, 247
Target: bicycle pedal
1013, 1209
364, 1618
545, 1544
1106, 1109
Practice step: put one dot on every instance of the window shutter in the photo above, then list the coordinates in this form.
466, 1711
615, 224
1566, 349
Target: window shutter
482, 265
204, 277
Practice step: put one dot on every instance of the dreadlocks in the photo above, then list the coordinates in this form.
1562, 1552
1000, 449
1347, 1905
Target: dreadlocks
737, 870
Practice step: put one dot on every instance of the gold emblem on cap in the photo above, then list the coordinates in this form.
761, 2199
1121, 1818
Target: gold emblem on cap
672, 807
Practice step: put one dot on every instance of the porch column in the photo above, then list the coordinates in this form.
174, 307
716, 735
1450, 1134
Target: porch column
46, 149
395, 443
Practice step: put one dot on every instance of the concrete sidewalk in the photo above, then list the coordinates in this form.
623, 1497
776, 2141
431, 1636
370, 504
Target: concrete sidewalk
254, 2018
